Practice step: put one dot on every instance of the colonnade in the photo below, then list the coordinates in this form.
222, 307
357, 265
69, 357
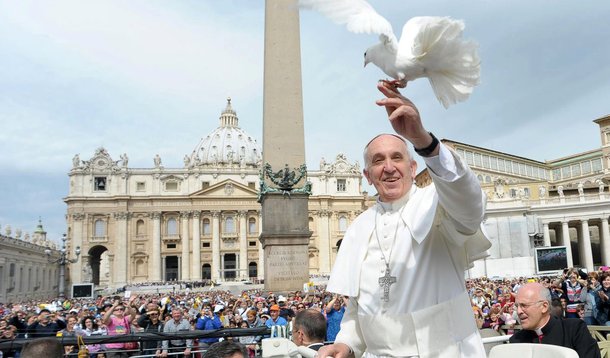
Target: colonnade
190, 259
582, 235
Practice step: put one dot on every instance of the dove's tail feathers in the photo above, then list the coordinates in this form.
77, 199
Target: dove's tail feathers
451, 63
455, 75
449, 89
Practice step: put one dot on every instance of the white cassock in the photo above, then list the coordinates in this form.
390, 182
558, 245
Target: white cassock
432, 235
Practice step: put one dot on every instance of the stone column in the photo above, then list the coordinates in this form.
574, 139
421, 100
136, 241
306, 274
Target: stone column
586, 256
324, 238
222, 264
215, 244
186, 250
163, 273
243, 244
565, 239
155, 267
121, 249
180, 268
261, 251
605, 245
86, 276
111, 280
285, 234
78, 237
546, 234
196, 267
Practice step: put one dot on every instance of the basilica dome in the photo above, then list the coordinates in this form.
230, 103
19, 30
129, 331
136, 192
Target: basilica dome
228, 145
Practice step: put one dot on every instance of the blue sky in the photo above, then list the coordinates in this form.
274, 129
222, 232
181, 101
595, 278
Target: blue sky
146, 77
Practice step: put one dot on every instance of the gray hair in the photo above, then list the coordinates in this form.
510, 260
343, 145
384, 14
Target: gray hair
366, 147
545, 295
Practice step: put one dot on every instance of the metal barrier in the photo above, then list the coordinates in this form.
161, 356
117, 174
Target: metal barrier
600, 333
146, 337
168, 354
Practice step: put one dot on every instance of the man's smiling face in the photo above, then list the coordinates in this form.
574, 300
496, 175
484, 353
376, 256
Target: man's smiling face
389, 168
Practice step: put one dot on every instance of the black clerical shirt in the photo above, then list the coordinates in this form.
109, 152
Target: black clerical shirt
569, 332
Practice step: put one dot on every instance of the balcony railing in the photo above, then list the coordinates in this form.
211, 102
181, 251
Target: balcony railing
171, 238
141, 237
98, 239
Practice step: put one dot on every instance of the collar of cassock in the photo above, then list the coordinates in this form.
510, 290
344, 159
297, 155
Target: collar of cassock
396, 205
418, 214
547, 327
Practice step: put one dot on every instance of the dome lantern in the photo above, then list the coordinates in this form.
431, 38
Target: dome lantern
228, 145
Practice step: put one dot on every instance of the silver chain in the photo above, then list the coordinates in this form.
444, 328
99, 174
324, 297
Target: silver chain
387, 260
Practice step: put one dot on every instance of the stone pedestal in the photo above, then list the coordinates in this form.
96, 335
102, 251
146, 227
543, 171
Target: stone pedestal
285, 239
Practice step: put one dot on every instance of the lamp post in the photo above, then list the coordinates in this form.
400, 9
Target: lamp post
63, 260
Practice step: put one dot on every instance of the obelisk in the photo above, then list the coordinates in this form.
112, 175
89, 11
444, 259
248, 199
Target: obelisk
285, 233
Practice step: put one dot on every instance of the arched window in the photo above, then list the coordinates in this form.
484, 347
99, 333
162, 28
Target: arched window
206, 227
252, 227
311, 224
172, 226
140, 228
342, 223
229, 224
100, 228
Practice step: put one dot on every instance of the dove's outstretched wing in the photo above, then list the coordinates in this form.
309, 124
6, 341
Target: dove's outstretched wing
358, 15
451, 63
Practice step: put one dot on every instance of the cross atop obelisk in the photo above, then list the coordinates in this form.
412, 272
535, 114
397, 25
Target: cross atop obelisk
283, 192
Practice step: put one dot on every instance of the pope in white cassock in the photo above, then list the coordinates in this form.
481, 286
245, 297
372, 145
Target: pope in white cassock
402, 261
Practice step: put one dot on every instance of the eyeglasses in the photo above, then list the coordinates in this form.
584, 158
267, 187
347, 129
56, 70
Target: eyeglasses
153, 314
526, 306
119, 309
300, 307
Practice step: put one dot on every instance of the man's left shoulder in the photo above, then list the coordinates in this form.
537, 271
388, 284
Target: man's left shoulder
575, 323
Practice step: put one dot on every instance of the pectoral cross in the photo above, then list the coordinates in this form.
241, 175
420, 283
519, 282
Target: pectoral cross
386, 281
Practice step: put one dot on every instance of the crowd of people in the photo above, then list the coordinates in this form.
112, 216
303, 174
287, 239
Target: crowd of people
574, 294
179, 310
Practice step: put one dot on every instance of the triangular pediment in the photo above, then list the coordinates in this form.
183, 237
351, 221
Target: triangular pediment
226, 188
171, 177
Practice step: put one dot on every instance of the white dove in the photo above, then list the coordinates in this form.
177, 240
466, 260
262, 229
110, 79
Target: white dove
429, 47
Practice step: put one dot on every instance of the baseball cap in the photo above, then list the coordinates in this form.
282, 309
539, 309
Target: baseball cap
274, 308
